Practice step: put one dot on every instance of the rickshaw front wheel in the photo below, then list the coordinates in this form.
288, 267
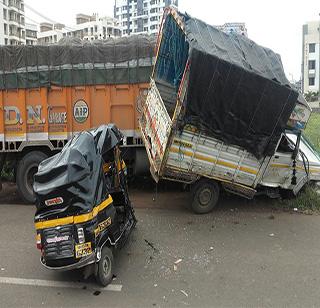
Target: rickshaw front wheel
104, 274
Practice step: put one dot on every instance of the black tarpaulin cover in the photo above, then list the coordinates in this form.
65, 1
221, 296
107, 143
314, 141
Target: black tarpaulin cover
76, 173
75, 62
237, 90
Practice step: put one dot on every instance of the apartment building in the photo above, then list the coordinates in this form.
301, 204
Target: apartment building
311, 57
93, 27
140, 16
234, 28
31, 34
50, 33
12, 22
87, 27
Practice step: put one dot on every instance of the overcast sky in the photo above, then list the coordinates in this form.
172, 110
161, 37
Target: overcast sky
276, 24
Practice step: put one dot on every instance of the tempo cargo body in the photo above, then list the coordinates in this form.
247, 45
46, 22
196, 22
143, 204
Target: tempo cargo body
220, 113
49, 93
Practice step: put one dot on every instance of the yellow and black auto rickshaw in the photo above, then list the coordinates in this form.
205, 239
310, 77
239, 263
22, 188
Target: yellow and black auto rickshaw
83, 207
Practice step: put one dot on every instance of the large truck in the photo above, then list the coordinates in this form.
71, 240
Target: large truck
49, 93
221, 114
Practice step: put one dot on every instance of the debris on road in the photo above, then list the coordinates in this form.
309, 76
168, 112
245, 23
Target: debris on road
152, 246
271, 234
178, 261
184, 292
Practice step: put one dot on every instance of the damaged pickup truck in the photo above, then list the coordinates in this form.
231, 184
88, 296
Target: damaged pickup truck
221, 114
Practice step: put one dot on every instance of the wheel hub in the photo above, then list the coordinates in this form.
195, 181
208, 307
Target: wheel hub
106, 266
205, 196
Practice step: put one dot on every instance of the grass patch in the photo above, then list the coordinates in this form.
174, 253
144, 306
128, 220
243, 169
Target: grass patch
307, 200
7, 173
313, 130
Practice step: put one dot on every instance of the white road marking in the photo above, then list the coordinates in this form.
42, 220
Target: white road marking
55, 284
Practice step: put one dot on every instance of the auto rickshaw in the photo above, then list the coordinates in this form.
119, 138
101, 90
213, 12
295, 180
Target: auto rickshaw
83, 207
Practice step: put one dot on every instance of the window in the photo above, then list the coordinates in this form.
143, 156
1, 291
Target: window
312, 64
312, 47
311, 81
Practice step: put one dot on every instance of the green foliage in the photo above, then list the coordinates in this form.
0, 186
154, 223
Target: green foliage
311, 96
7, 173
307, 200
313, 130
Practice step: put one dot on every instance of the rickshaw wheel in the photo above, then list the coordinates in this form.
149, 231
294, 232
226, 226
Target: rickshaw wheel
104, 273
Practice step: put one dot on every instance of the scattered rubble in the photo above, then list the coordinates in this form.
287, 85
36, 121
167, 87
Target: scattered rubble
184, 292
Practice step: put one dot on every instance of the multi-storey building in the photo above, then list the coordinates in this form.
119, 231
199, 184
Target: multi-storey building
50, 33
31, 34
12, 22
311, 57
94, 27
88, 27
234, 27
140, 16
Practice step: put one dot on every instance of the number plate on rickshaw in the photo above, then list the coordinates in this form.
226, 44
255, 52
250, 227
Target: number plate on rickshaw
83, 250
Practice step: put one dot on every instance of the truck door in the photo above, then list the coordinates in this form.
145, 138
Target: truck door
279, 172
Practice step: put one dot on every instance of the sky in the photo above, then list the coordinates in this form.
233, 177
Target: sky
276, 24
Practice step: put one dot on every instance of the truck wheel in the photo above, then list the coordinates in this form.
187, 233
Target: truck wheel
205, 196
26, 169
104, 273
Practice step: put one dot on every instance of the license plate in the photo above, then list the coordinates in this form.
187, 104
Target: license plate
83, 250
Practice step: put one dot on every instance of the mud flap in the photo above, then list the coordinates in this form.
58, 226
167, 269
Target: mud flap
300, 184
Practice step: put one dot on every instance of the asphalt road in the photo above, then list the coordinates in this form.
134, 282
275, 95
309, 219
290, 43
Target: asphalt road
243, 254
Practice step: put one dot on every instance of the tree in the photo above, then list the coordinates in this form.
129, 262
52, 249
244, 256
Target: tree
311, 96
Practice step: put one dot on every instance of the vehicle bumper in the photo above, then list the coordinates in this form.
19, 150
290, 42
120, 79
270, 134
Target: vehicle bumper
83, 262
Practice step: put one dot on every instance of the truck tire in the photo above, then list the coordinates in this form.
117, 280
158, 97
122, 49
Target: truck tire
26, 169
205, 195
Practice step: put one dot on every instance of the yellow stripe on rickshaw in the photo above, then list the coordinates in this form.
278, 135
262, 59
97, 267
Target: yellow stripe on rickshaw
74, 219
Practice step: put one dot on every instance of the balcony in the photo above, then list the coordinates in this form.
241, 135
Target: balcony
16, 22
17, 35
16, 5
